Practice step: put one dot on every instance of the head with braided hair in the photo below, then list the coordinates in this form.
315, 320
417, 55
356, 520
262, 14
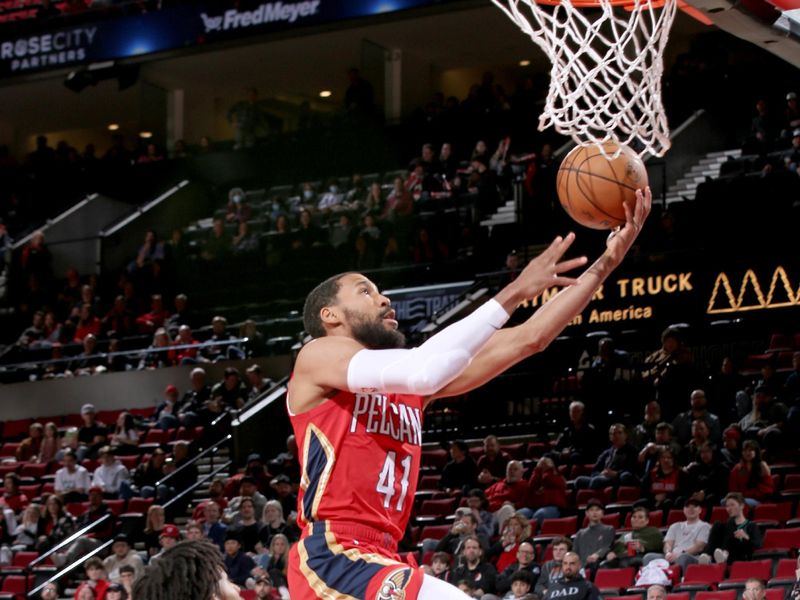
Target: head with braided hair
191, 570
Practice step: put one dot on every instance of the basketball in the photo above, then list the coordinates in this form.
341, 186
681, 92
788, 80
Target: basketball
592, 188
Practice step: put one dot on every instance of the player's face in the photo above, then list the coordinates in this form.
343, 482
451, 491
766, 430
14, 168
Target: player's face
368, 313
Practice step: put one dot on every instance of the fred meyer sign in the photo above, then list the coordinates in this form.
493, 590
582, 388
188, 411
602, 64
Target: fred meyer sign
182, 26
703, 292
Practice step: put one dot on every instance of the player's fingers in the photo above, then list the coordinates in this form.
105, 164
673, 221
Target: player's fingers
563, 246
551, 249
628, 212
570, 264
565, 281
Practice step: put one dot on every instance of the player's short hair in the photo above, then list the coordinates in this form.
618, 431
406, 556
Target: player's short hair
321, 296
190, 570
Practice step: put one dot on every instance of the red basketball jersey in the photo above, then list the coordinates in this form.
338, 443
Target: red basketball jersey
360, 455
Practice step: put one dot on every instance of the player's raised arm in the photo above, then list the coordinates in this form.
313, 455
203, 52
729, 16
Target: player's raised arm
359, 349
512, 345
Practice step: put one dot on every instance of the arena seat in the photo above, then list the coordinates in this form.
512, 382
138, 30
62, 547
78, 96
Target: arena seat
771, 514
700, 577
434, 458
614, 580
139, 505
612, 519
774, 594
679, 596
434, 532
779, 542
428, 482
742, 570
9, 450
437, 508
35, 470
565, 526
14, 586
784, 573
719, 595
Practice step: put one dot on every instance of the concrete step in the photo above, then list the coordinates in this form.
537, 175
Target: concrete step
725, 153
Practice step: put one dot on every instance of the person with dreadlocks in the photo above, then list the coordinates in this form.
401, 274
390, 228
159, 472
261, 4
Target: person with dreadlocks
191, 570
356, 400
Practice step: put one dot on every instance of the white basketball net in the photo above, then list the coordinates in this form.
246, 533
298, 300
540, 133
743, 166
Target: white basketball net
605, 82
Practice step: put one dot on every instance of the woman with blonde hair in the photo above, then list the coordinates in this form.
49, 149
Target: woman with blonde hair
153, 526
516, 530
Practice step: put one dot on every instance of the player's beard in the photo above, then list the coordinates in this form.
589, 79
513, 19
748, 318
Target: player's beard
373, 333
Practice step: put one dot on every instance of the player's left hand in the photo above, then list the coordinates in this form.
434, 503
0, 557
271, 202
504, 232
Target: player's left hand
622, 238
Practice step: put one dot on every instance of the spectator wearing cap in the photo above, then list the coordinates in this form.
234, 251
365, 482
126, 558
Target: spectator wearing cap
284, 493
230, 390
92, 435
614, 467
511, 490
685, 540
682, 425
167, 412
110, 474
122, 554
254, 467
257, 383
72, 480
213, 528
169, 536
247, 489
264, 589
144, 481
593, 542
731, 446
237, 564
117, 591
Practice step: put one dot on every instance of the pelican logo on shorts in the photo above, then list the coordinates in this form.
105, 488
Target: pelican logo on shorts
393, 587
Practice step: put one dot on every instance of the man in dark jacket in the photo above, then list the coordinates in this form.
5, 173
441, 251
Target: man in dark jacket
525, 556
615, 466
473, 568
572, 585
237, 564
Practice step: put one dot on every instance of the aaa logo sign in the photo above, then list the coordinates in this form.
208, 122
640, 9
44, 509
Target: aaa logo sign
750, 293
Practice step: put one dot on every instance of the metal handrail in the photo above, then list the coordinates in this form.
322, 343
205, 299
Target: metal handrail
135, 353
32, 593
199, 482
211, 449
67, 541
282, 382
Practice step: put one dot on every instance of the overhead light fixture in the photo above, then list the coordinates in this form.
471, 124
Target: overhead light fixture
524, 62
325, 94
145, 134
113, 126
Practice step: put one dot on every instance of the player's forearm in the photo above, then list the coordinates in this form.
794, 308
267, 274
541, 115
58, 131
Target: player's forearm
551, 319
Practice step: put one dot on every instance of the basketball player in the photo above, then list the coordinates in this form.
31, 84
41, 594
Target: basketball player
356, 400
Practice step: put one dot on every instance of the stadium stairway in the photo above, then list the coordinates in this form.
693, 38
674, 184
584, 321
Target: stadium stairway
707, 167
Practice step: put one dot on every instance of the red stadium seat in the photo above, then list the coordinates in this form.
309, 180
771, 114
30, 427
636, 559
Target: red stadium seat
678, 596
248, 594
35, 470
779, 343
14, 584
784, 572
742, 570
116, 506
139, 505
16, 428
772, 514
614, 580
156, 437
718, 515
435, 458
143, 412
791, 483
48, 488
775, 594
703, 576
627, 493
516, 451
779, 542
582, 497
76, 509
565, 526
9, 449
437, 508
31, 491
428, 482
612, 519
434, 532
720, 595
130, 461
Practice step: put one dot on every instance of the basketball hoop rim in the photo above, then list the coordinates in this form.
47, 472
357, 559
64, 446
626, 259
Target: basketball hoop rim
627, 4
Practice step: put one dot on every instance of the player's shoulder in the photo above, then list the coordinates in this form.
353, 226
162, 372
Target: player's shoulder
325, 350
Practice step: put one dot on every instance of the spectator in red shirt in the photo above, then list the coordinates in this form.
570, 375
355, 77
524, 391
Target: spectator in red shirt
547, 492
666, 482
184, 356
12, 499
492, 463
149, 322
87, 323
513, 489
751, 477
515, 531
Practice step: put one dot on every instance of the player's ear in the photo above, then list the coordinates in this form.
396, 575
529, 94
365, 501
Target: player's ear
329, 316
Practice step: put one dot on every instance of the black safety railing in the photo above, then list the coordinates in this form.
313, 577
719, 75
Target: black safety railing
68, 540
68, 568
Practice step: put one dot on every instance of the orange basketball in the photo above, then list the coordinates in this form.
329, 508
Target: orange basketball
592, 188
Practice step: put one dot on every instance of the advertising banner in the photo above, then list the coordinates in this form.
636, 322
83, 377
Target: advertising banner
182, 26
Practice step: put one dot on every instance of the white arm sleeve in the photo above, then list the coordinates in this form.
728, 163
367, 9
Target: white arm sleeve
431, 366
